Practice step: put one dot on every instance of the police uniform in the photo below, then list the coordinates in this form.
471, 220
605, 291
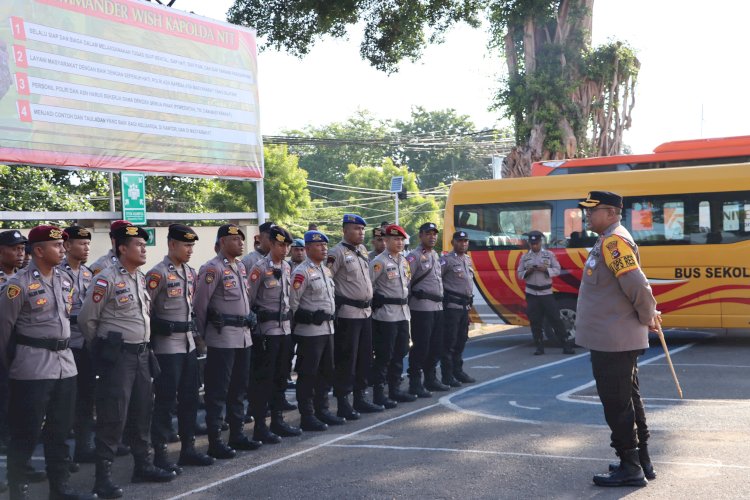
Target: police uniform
540, 301
115, 319
109, 259
86, 380
390, 275
377, 232
458, 295
224, 320
426, 305
171, 287
10, 238
253, 257
615, 307
269, 296
35, 351
352, 340
312, 301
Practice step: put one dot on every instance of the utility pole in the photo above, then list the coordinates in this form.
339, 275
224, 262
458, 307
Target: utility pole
397, 184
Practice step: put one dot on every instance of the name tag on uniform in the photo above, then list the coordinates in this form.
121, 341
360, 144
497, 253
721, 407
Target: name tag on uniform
175, 292
271, 283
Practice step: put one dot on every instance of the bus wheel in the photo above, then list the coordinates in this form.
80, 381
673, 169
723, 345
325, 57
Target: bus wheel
568, 315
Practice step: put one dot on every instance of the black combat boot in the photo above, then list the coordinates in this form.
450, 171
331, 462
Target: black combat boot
568, 346
18, 491
217, 448
123, 450
311, 423
379, 397
190, 456
282, 403
629, 473
449, 379
325, 416
249, 414
431, 382
84, 451
464, 377
59, 475
539, 347
363, 406
161, 460
146, 472
396, 394
645, 459
103, 485
280, 427
239, 441
262, 433
416, 388
345, 409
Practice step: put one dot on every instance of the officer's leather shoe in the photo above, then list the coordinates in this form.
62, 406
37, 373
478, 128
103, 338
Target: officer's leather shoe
59, 489
329, 418
103, 485
417, 389
190, 456
539, 350
379, 397
451, 381
217, 448
148, 473
396, 394
282, 428
311, 423
69, 494
32, 475
568, 347
345, 409
84, 455
122, 450
242, 442
645, 460
264, 435
363, 406
161, 460
18, 491
629, 473
286, 405
464, 377
431, 383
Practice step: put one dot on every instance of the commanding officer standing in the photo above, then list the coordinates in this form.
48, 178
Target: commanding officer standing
269, 294
537, 267
389, 274
426, 305
458, 296
35, 354
222, 311
77, 248
313, 304
616, 308
352, 340
171, 285
109, 258
378, 243
115, 319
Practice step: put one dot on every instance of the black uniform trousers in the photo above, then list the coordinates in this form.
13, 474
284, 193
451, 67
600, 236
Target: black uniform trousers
33, 404
539, 307
84, 411
455, 335
124, 404
616, 381
426, 341
314, 372
4, 432
175, 391
269, 364
352, 355
640, 411
226, 376
391, 344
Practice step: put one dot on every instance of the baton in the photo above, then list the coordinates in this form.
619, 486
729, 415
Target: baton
669, 359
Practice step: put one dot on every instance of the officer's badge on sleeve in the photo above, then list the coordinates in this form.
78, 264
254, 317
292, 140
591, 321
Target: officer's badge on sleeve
298, 280
255, 274
619, 256
13, 291
377, 267
100, 289
153, 280
210, 276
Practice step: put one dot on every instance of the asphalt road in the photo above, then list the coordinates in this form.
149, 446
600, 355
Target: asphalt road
531, 427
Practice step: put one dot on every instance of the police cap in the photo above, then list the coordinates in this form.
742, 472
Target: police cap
298, 243
395, 230
354, 219
377, 232
12, 238
315, 237
535, 236
181, 232
266, 227
278, 233
427, 227
130, 231
117, 225
46, 233
595, 198
460, 235
77, 233
229, 230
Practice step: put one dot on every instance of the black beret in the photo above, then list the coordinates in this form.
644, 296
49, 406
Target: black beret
181, 232
130, 232
77, 233
229, 230
266, 227
278, 233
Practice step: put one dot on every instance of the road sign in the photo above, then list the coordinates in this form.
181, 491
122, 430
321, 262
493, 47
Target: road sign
151, 236
133, 198
396, 184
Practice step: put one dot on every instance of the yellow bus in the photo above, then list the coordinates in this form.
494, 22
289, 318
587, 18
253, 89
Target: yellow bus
692, 226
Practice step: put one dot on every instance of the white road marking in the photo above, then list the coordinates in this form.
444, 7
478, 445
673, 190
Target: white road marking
556, 376
703, 364
485, 367
513, 403
501, 336
531, 455
485, 354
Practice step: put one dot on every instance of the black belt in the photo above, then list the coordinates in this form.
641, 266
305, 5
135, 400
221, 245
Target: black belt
264, 316
420, 294
135, 348
49, 344
361, 304
74, 320
379, 301
539, 288
305, 317
229, 319
165, 327
457, 298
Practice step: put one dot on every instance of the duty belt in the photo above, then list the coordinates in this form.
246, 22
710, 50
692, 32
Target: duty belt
264, 316
379, 301
457, 298
49, 344
420, 294
229, 319
165, 327
135, 348
538, 288
361, 304
305, 317
74, 320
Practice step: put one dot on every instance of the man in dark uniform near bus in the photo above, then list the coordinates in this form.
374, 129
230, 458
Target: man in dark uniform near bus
269, 295
35, 353
224, 320
537, 268
352, 340
458, 296
171, 285
77, 248
115, 319
616, 309
378, 242
426, 306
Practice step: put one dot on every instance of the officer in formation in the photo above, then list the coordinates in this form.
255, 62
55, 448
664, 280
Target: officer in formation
264, 246
352, 340
297, 253
537, 268
378, 242
616, 309
109, 258
35, 354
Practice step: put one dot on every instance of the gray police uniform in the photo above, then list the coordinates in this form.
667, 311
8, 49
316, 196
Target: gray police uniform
312, 301
5, 277
251, 259
115, 319
371, 255
458, 295
107, 260
34, 321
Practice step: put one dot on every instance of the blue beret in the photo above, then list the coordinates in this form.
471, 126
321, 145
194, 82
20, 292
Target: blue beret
315, 237
298, 242
354, 219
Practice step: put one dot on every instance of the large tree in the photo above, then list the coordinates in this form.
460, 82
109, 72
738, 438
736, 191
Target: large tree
564, 97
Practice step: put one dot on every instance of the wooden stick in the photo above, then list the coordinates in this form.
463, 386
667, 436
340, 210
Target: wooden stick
669, 359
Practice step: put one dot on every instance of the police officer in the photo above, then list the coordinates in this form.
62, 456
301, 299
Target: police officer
109, 258
352, 340
458, 296
426, 305
616, 308
224, 318
537, 267
269, 295
264, 242
297, 253
389, 274
115, 319
313, 304
77, 248
378, 243
171, 285
35, 353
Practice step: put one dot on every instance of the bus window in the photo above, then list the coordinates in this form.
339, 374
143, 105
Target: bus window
502, 225
735, 219
518, 219
657, 221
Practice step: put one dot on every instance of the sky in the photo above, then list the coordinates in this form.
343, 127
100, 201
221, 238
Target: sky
692, 79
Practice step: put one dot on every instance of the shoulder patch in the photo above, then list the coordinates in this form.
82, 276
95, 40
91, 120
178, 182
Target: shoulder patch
153, 280
13, 291
377, 267
411, 257
102, 283
331, 260
299, 278
210, 275
255, 274
619, 256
